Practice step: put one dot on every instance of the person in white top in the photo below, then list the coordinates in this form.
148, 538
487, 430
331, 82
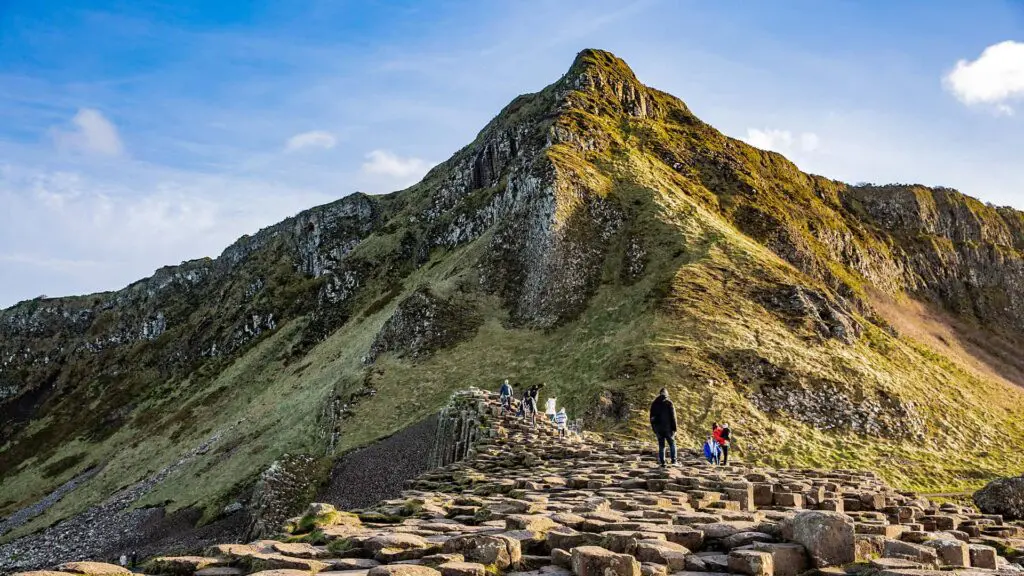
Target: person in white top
561, 420
550, 411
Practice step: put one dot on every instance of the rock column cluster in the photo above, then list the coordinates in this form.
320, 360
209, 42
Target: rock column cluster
523, 502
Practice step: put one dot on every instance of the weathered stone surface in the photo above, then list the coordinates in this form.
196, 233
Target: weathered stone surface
827, 536
1004, 496
462, 569
951, 552
220, 571
907, 550
403, 570
787, 559
183, 565
982, 556
300, 550
93, 568
500, 551
597, 561
662, 552
567, 540
751, 563
501, 516
534, 522
263, 562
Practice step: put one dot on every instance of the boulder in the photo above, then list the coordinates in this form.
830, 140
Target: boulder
92, 568
751, 563
300, 550
983, 556
662, 552
561, 558
220, 571
597, 561
569, 539
910, 551
402, 570
1003, 496
827, 536
486, 549
180, 565
535, 522
787, 559
951, 552
462, 569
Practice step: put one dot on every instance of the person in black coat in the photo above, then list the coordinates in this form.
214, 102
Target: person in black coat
663, 422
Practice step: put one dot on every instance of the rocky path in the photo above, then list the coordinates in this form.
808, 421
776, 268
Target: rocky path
524, 502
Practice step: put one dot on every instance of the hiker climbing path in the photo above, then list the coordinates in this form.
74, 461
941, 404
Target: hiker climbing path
521, 500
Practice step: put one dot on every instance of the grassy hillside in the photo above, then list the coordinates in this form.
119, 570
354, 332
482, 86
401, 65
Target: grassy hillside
599, 238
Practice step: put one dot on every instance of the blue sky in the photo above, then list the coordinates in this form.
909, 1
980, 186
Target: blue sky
143, 133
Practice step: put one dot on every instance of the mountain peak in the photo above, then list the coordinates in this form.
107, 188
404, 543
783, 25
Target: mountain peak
602, 61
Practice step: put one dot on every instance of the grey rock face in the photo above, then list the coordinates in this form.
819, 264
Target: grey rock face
1003, 496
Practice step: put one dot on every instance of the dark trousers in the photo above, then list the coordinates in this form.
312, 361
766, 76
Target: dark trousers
671, 440
725, 455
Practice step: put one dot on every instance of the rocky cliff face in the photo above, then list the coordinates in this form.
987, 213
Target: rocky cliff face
597, 236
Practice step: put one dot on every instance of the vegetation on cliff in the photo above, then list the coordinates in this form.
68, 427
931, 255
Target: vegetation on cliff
595, 236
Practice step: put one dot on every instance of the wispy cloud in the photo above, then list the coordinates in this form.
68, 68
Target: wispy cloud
994, 78
782, 141
93, 133
311, 139
394, 167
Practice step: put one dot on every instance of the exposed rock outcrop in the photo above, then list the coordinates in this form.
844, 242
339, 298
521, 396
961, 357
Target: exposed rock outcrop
1004, 496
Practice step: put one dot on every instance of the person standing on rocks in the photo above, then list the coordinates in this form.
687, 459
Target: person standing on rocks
562, 421
505, 396
134, 560
717, 441
724, 442
529, 405
663, 422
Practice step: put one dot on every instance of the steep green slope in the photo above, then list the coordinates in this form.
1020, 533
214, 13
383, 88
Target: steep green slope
595, 236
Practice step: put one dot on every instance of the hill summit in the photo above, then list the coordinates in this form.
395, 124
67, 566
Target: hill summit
595, 236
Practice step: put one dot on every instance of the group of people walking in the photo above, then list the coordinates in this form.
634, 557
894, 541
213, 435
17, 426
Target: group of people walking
662, 416
528, 406
663, 423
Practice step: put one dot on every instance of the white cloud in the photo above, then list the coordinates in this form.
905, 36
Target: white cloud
996, 77
782, 141
809, 141
69, 232
389, 164
93, 134
311, 139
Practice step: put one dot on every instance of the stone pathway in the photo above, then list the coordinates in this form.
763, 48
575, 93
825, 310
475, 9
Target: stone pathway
523, 502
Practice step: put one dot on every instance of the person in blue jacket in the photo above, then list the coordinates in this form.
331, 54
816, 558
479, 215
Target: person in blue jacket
505, 396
